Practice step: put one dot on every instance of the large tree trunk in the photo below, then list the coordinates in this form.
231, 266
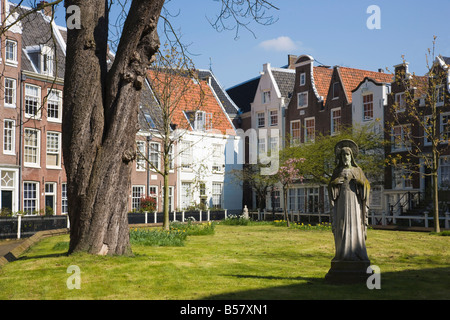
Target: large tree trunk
100, 122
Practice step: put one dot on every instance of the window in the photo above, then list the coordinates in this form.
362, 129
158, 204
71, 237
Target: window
295, 132
400, 137
54, 105
30, 199
218, 158
153, 192
401, 178
368, 107
273, 144
440, 95
266, 97
400, 101
217, 194
50, 198
9, 129
11, 51
302, 100
10, 93
186, 154
335, 120
444, 172
310, 125
53, 149
64, 201
445, 127
154, 155
261, 146
313, 200
428, 131
171, 158
136, 196
140, 156
273, 117
275, 199
335, 90
302, 79
32, 98
185, 195
31, 147
203, 121
261, 119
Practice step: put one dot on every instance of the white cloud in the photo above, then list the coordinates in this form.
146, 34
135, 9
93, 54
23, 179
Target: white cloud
282, 43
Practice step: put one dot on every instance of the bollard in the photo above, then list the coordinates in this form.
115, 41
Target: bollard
200, 214
208, 215
426, 219
145, 217
19, 222
68, 222
447, 215
182, 216
155, 216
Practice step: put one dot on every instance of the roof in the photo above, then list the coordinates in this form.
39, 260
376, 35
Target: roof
228, 104
36, 32
322, 79
285, 79
183, 97
446, 60
243, 94
351, 78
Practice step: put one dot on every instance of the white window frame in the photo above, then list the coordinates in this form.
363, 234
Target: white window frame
265, 96
64, 201
186, 155
51, 101
52, 150
217, 194
401, 178
53, 193
14, 60
440, 95
299, 106
302, 79
401, 101
307, 138
218, 158
153, 192
9, 133
261, 119
34, 199
296, 140
273, 117
365, 105
155, 148
13, 95
444, 172
404, 145
335, 129
140, 155
185, 194
262, 146
34, 148
335, 91
443, 125
32, 97
135, 199
426, 142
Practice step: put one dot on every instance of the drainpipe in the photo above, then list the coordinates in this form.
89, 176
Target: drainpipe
22, 79
147, 192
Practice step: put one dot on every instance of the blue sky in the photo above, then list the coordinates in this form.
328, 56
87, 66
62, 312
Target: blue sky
333, 32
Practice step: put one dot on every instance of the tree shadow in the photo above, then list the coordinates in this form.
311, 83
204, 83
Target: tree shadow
420, 284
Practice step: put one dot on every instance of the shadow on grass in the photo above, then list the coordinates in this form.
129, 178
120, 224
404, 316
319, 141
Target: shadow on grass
422, 284
51, 255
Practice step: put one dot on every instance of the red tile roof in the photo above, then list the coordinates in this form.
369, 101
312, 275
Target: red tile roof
322, 78
351, 78
184, 94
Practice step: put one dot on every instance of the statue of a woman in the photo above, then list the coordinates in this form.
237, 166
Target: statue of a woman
349, 195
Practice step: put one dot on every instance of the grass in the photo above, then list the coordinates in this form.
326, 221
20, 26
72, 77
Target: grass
258, 261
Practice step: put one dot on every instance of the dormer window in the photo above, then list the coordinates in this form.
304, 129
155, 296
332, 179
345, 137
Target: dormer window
200, 120
302, 79
42, 58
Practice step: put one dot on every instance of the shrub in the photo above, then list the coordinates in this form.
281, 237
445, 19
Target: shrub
158, 237
235, 220
192, 229
148, 204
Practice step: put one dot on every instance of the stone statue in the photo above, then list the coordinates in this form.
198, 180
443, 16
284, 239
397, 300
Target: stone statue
349, 196
245, 212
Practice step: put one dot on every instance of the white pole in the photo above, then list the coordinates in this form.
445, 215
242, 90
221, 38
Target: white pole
208, 215
19, 222
200, 213
182, 216
68, 222
426, 219
154, 216
145, 217
225, 213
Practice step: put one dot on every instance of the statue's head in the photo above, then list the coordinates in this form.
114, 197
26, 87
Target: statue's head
345, 152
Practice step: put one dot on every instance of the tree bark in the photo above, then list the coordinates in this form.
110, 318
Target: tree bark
100, 122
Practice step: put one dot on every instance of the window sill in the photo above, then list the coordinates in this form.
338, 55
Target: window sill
10, 106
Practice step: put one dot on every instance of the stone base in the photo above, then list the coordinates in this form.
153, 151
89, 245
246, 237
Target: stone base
346, 272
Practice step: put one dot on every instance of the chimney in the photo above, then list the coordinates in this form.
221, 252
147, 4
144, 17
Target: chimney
380, 70
48, 10
291, 61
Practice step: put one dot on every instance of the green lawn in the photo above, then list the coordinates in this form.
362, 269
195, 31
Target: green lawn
237, 262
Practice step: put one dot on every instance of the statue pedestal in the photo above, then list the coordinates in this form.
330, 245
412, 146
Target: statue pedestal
343, 272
